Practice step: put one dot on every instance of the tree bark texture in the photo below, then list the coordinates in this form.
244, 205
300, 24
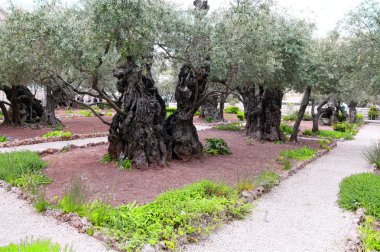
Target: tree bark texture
4, 110
190, 90
317, 115
209, 110
138, 133
352, 111
52, 96
262, 107
301, 113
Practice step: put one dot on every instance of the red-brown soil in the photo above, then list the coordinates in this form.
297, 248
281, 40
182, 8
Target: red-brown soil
76, 125
107, 182
309, 125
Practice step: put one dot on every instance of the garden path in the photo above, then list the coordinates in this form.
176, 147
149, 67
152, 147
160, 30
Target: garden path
302, 213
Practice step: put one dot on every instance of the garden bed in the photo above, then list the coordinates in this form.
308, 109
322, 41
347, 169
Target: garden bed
107, 182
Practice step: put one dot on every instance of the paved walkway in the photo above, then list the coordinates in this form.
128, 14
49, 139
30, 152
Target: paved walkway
301, 214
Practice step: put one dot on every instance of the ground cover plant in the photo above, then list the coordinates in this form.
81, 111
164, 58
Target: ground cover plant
346, 127
19, 167
3, 139
361, 191
266, 179
232, 110
372, 154
188, 212
335, 134
58, 133
300, 154
240, 115
217, 146
286, 129
370, 234
235, 126
35, 246
86, 113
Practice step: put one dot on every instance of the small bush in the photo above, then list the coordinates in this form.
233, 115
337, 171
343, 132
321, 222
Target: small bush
286, 129
15, 165
235, 126
75, 197
56, 133
209, 119
231, 110
335, 134
109, 114
307, 117
3, 139
217, 146
241, 115
267, 179
126, 164
359, 119
307, 132
290, 117
361, 191
86, 113
373, 113
370, 234
41, 205
372, 154
300, 154
346, 127
36, 246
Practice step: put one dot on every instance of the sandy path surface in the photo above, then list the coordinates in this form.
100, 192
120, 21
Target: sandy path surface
302, 213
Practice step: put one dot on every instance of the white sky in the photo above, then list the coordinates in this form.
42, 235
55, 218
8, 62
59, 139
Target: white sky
325, 13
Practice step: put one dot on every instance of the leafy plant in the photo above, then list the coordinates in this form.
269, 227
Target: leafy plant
235, 126
373, 113
290, 117
109, 114
3, 139
86, 113
307, 117
287, 164
307, 132
267, 179
216, 146
324, 144
300, 154
372, 154
15, 165
106, 159
286, 129
32, 179
241, 115
40, 204
35, 246
75, 197
359, 119
232, 110
209, 119
346, 127
335, 134
370, 234
126, 164
361, 191
56, 133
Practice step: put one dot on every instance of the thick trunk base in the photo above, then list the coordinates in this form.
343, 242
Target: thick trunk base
210, 110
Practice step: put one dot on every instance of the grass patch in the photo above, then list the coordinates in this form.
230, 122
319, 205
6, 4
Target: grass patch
267, 179
235, 126
361, 191
57, 133
188, 212
3, 139
17, 166
370, 234
217, 146
286, 129
372, 154
300, 154
36, 246
335, 134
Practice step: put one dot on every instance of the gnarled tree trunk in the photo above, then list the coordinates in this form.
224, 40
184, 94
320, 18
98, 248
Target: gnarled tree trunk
209, 110
301, 113
262, 107
138, 133
4, 110
353, 112
49, 118
317, 115
183, 135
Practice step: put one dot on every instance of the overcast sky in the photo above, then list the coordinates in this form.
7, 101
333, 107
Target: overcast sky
325, 13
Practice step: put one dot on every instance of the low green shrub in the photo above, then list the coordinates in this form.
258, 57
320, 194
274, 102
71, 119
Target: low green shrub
241, 115
346, 127
232, 110
109, 114
217, 146
372, 154
41, 205
300, 154
86, 113
373, 113
307, 117
335, 134
235, 126
324, 144
286, 129
32, 179
307, 132
188, 212
266, 179
15, 165
57, 133
361, 191
75, 197
370, 234
290, 117
126, 164
106, 158
35, 246
359, 119
3, 139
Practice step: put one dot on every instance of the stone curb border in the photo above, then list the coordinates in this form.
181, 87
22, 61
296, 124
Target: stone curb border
38, 140
354, 242
83, 225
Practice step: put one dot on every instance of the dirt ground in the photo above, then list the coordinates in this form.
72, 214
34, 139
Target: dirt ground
76, 125
106, 182
309, 125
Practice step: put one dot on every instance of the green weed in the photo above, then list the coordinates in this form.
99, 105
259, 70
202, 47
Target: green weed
56, 133
235, 126
3, 139
35, 246
370, 234
286, 129
217, 146
372, 154
300, 154
231, 110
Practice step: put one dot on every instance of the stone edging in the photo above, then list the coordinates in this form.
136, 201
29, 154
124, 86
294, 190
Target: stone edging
69, 147
354, 242
38, 140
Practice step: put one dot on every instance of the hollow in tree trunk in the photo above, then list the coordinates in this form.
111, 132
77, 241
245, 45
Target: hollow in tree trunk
183, 135
353, 112
262, 108
138, 132
301, 113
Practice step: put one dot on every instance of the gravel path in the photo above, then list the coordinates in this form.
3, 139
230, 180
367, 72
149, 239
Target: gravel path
301, 214
20, 222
